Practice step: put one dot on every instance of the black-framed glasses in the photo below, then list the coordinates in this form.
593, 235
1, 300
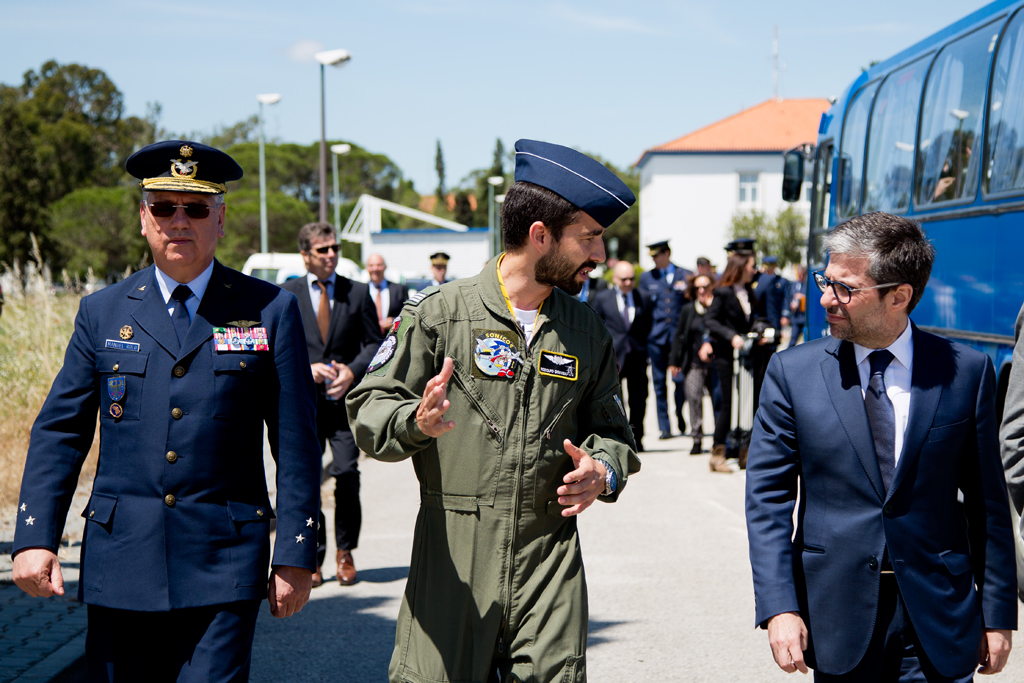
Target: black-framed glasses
844, 293
167, 209
336, 248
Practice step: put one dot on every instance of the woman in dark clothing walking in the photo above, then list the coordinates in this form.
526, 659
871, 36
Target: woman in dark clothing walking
691, 353
728, 320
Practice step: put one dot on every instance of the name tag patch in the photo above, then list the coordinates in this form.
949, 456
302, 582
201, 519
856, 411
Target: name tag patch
561, 365
240, 339
122, 345
494, 354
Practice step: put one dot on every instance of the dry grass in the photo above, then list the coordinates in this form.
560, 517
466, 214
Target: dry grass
34, 331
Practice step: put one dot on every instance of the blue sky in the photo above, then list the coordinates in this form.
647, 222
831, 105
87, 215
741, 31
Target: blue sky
612, 78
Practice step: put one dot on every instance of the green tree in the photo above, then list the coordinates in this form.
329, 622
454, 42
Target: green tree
99, 228
784, 236
439, 166
22, 208
285, 215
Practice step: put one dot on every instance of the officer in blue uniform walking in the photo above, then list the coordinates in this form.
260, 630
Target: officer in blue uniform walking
185, 362
665, 286
772, 299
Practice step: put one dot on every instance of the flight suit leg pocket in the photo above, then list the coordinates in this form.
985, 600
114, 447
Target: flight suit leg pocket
98, 541
575, 670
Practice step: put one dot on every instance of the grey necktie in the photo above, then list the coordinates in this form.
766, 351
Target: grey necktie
180, 316
881, 416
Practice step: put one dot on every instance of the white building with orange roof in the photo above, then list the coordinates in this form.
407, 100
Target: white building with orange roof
691, 187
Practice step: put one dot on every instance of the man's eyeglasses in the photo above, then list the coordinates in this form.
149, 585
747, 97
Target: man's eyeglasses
844, 293
167, 209
336, 248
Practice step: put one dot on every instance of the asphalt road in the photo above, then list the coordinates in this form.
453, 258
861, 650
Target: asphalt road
667, 570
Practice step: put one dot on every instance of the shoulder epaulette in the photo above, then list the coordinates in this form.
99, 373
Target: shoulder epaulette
419, 296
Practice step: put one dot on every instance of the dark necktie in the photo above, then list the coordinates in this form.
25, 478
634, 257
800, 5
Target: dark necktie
323, 313
180, 315
881, 416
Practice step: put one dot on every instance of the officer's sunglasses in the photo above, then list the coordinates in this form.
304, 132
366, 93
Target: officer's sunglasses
844, 293
330, 247
167, 209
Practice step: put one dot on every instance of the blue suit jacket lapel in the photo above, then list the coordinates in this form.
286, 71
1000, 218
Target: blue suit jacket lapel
151, 314
925, 392
218, 294
839, 369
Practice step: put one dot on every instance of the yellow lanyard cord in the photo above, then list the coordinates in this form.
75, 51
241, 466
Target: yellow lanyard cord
508, 302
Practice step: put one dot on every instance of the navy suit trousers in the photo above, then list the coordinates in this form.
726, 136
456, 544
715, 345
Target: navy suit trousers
659, 376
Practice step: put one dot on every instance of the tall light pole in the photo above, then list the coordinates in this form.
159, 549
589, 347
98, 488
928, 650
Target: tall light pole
270, 98
492, 183
338, 150
326, 58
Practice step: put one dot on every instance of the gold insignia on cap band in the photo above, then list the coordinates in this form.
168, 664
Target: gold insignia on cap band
184, 169
183, 185
185, 151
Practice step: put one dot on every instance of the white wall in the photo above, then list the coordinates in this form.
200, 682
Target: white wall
407, 252
690, 199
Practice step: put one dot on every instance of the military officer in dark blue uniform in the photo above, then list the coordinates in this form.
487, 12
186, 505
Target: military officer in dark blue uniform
665, 286
185, 362
772, 292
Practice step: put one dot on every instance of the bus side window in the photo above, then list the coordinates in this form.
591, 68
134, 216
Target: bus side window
893, 130
851, 160
1004, 145
951, 119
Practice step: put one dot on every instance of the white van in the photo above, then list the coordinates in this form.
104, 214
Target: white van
279, 268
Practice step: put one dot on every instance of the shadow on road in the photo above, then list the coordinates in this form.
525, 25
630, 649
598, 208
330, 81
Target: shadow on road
594, 629
384, 574
333, 639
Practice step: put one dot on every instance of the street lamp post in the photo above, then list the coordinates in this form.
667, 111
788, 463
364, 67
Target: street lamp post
338, 150
270, 98
326, 58
493, 182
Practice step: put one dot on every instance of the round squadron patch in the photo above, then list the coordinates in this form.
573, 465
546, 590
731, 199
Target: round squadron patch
494, 354
387, 349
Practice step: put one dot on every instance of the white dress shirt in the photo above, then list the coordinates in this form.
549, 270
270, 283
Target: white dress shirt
198, 286
314, 290
385, 296
897, 379
624, 300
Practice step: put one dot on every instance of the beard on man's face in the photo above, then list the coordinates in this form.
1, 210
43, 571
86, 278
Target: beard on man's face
559, 270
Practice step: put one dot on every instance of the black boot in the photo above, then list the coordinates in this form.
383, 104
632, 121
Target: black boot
696, 450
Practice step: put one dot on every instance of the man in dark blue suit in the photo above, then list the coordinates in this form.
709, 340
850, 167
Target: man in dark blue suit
665, 286
887, 576
626, 313
185, 362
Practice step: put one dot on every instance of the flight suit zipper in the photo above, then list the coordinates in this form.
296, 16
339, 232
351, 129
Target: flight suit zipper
479, 408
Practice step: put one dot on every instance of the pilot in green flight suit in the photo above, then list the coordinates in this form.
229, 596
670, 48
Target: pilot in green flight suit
503, 390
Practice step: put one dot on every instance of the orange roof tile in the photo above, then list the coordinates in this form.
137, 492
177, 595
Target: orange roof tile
772, 126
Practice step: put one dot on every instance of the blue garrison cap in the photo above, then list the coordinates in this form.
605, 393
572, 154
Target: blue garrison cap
770, 259
582, 181
183, 166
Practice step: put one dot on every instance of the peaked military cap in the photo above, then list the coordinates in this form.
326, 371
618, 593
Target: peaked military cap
439, 259
657, 248
741, 245
582, 181
183, 166
770, 259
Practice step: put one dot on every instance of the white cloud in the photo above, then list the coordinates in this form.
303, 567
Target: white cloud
602, 22
303, 50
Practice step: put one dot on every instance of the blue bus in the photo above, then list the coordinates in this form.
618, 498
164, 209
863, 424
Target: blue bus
936, 133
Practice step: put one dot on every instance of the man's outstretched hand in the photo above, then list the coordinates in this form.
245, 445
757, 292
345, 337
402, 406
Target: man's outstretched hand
584, 484
430, 414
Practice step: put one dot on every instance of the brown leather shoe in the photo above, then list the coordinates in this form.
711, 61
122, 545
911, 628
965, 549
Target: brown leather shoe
318, 578
346, 568
743, 458
717, 462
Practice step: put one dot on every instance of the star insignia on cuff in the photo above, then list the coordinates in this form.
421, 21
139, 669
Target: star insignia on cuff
300, 538
30, 521
23, 507
309, 522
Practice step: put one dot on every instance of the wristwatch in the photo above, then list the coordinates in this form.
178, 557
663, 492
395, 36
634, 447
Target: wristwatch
611, 481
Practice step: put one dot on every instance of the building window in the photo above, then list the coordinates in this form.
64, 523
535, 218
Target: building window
748, 188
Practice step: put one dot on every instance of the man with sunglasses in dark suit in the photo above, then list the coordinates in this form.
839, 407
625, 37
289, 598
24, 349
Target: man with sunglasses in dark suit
877, 430
185, 362
342, 334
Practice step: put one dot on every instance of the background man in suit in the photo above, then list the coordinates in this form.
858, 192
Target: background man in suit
342, 334
591, 286
665, 286
388, 297
439, 268
888, 577
627, 314
184, 361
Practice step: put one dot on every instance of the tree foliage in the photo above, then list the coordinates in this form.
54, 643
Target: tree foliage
439, 167
784, 236
99, 228
285, 215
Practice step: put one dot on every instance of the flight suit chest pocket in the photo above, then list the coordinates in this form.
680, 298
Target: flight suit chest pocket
236, 378
121, 376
